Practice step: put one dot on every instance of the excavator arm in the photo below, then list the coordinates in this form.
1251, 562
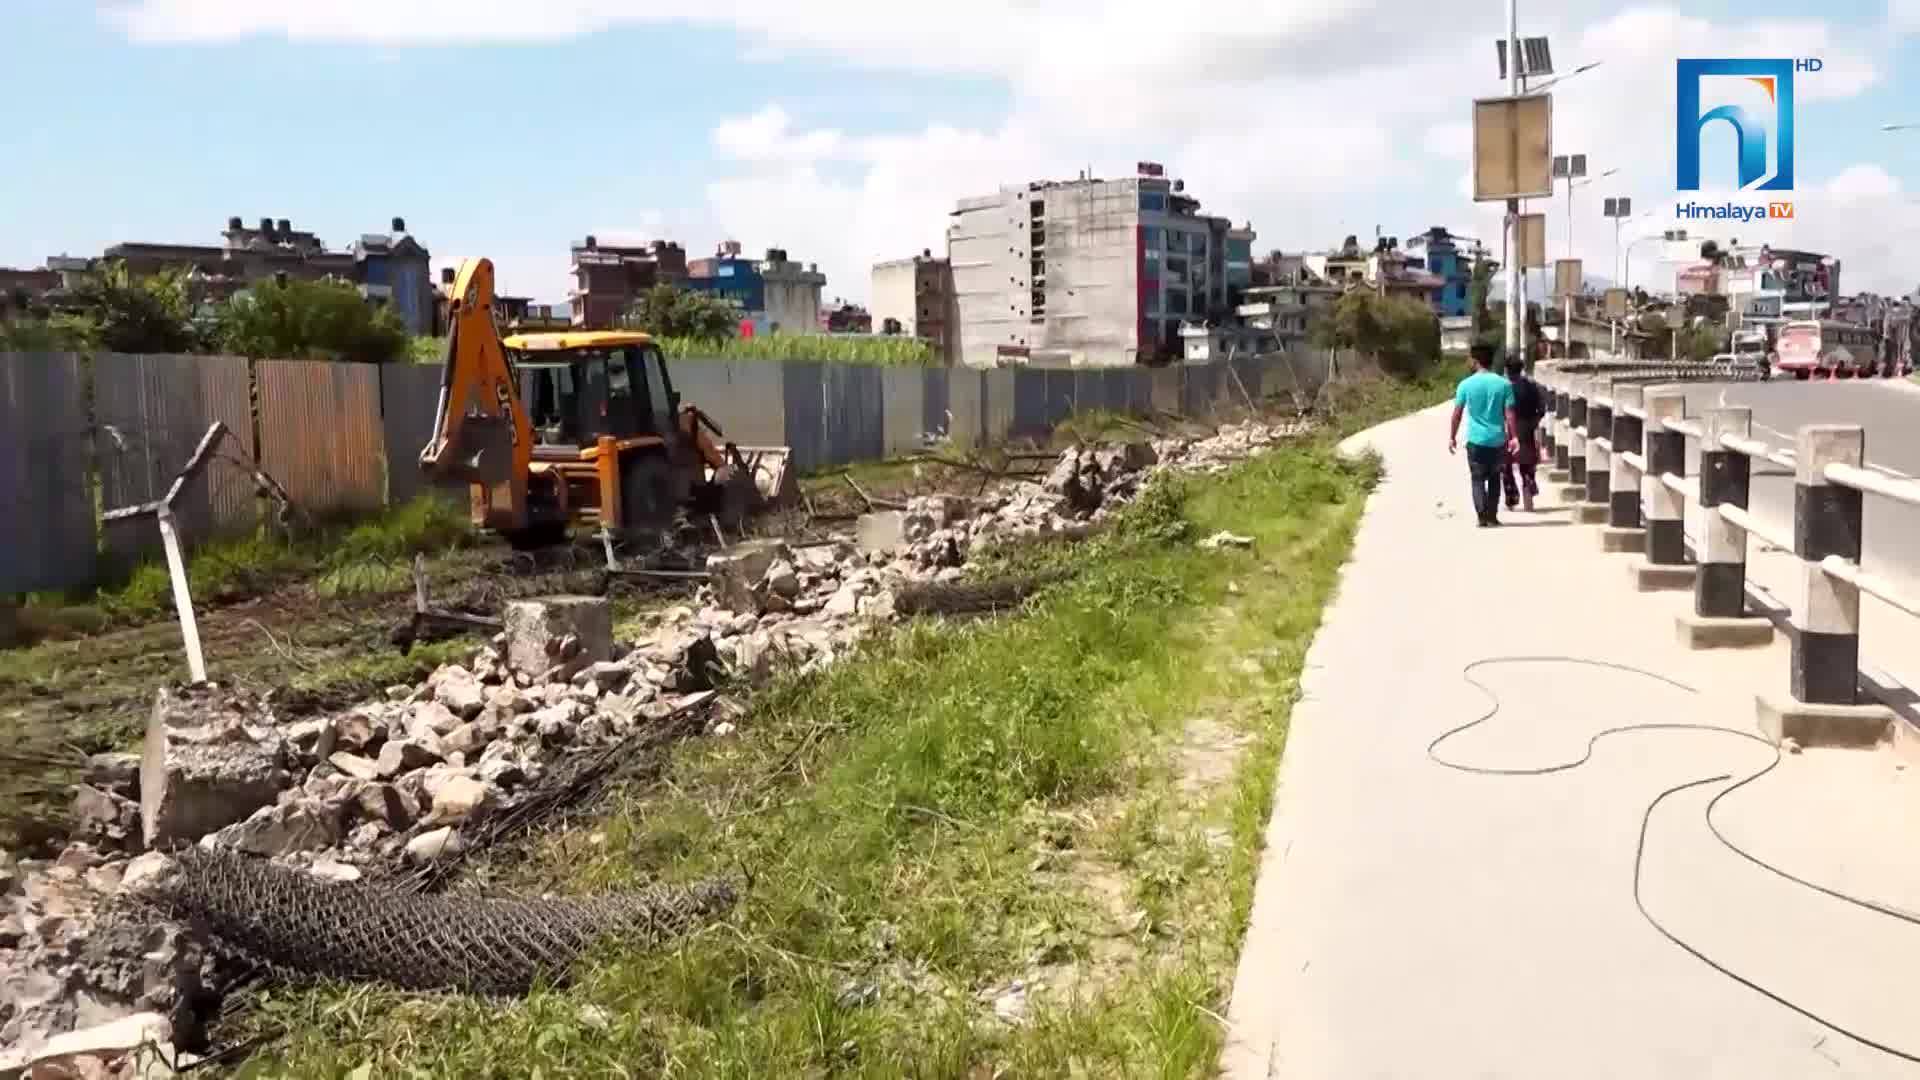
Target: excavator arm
481, 432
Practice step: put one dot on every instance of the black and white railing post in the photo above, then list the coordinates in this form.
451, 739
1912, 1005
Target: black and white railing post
1826, 521
1594, 508
1562, 407
1577, 433
1665, 565
1720, 618
1547, 431
1623, 531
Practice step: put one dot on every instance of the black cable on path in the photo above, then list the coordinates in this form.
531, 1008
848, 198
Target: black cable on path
1640, 847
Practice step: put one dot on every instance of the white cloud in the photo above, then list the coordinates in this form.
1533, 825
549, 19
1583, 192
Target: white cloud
1312, 120
1450, 140
1904, 15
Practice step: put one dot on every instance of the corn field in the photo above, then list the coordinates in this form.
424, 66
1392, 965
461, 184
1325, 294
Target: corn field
828, 348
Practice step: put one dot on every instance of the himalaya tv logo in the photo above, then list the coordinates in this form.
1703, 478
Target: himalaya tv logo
1754, 99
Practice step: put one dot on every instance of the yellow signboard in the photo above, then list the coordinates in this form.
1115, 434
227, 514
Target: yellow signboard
1513, 148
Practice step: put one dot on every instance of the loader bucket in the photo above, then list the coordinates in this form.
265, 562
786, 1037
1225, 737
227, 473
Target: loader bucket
770, 467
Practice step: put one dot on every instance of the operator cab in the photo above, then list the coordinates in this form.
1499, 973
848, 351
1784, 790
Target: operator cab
579, 387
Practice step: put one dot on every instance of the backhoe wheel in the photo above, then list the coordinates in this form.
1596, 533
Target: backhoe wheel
646, 493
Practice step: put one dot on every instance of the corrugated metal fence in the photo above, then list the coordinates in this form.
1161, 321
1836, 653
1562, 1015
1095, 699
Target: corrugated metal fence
82, 434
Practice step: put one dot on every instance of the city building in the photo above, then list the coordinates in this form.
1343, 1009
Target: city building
1445, 260
774, 294
607, 278
1086, 272
915, 297
1343, 266
842, 316
1286, 311
391, 269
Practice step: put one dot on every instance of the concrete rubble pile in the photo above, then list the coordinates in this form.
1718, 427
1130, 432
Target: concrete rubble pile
403, 780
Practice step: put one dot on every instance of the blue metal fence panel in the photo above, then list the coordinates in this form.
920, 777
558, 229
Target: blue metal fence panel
803, 414
935, 401
966, 405
997, 404
1199, 389
409, 395
1166, 386
150, 414
903, 394
46, 488
1029, 404
1060, 396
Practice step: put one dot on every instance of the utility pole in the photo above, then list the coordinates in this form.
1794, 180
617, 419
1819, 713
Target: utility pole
1515, 344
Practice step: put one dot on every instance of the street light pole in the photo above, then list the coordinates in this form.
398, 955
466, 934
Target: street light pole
1514, 327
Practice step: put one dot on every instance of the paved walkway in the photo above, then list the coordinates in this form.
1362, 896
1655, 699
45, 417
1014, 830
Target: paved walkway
1415, 921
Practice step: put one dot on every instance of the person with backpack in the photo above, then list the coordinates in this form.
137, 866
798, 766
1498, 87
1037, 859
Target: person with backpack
1519, 477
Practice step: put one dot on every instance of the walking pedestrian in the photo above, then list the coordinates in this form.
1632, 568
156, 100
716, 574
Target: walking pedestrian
1529, 408
1485, 399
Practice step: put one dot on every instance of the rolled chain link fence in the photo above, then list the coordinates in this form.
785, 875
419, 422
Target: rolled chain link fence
298, 925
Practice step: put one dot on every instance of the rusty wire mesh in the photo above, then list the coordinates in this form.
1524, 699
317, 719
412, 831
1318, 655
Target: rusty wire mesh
298, 925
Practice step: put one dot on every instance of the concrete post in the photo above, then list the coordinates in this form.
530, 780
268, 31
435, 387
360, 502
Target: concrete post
1562, 408
1826, 521
1719, 618
1577, 431
1721, 588
1599, 461
1623, 509
1665, 563
1547, 422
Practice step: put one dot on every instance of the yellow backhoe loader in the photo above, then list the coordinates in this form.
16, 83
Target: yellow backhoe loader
580, 429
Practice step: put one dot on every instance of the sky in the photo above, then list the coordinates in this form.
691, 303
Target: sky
844, 130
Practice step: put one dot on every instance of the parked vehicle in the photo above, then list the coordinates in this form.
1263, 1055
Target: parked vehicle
1807, 348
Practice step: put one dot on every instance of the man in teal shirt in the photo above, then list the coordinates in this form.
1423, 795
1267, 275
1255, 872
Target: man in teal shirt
1486, 400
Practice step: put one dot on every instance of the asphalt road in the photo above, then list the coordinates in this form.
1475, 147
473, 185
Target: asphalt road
1890, 412
1888, 409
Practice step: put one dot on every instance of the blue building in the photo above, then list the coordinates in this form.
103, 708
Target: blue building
1445, 261
393, 269
775, 293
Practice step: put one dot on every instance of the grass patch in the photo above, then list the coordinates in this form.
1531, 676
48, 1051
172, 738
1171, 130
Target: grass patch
1072, 797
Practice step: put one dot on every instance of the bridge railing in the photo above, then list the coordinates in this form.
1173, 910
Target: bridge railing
1619, 436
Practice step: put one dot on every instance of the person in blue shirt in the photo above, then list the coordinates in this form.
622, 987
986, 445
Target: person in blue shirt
1485, 399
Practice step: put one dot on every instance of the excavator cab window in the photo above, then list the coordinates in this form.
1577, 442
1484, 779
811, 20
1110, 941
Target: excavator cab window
550, 394
661, 401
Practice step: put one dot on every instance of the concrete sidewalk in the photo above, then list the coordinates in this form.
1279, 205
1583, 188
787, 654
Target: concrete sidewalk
1416, 921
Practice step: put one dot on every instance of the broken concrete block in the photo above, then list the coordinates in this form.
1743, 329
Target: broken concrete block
334, 870
144, 871
459, 690
115, 771
357, 731
313, 739
468, 739
301, 825
190, 789
355, 766
738, 571
104, 818
881, 532
434, 844
431, 718
460, 798
537, 633
782, 580
403, 755
384, 804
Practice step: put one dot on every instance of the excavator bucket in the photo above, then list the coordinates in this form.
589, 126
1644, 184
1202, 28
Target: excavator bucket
773, 479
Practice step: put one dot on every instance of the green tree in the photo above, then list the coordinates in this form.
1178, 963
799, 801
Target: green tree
1402, 335
320, 320
152, 314
665, 312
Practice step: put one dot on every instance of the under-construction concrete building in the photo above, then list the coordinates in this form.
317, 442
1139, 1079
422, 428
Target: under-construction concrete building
1090, 272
